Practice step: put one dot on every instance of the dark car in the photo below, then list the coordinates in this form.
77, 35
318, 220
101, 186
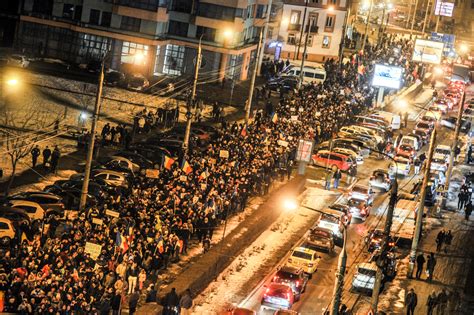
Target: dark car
18, 217
94, 189
422, 136
47, 200
137, 158
374, 240
295, 278
152, 152
344, 209
137, 82
114, 78
286, 83
320, 239
430, 197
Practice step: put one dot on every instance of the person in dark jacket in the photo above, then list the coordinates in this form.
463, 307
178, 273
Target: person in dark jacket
115, 302
171, 303
468, 210
430, 266
46, 156
337, 178
35, 153
410, 302
55, 158
133, 302
151, 295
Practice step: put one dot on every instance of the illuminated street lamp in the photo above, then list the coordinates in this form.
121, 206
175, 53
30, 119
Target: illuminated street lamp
12, 82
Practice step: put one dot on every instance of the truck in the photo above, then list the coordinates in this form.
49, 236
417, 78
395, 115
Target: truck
403, 224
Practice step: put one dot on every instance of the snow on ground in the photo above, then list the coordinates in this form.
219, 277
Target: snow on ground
233, 284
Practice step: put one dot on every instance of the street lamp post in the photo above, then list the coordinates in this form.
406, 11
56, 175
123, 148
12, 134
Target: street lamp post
413, 19
367, 25
419, 216
90, 149
344, 32
302, 30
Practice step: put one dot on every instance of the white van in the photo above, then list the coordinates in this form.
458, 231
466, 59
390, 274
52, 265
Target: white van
392, 119
310, 74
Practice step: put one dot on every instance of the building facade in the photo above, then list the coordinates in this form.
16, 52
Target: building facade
164, 33
323, 23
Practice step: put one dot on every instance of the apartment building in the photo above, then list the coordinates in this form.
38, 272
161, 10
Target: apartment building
323, 22
154, 37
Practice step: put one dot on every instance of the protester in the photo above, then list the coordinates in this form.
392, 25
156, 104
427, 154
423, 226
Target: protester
468, 210
337, 178
440, 240
411, 300
46, 156
186, 303
430, 266
35, 153
420, 261
431, 302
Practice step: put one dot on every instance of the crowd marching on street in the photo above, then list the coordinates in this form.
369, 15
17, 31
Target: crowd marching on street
159, 218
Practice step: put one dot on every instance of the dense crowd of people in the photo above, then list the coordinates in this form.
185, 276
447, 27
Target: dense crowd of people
57, 272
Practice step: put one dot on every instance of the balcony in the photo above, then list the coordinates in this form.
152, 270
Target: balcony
313, 29
294, 27
160, 14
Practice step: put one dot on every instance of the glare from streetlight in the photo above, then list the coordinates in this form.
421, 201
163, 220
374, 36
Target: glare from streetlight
463, 48
330, 8
438, 70
139, 58
285, 21
228, 33
289, 204
402, 104
12, 82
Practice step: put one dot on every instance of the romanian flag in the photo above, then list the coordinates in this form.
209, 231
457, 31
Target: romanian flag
243, 133
168, 162
361, 69
204, 175
275, 118
121, 242
160, 245
186, 167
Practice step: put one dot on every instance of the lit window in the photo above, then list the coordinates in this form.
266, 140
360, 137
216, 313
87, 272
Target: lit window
326, 41
174, 59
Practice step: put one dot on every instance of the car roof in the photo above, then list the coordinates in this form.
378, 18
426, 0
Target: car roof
5, 220
304, 249
290, 269
361, 186
319, 228
369, 266
19, 202
329, 211
443, 147
278, 286
379, 170
27, 194
438, 156
100, 171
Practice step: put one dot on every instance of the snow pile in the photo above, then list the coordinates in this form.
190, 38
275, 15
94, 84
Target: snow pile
256, 262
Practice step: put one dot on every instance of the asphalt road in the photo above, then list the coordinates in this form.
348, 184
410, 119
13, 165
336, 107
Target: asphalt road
319, 291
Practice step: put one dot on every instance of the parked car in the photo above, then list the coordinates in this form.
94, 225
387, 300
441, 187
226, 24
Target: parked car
425, 126
343, 209
450, 122
48, 201
332, 160
443, 105
332, 220
406, 150
18, 61
400, 166
358, 208
411, 141
7, 232
438, 163
111, 178
137, 82
435, 112
320, 239
287, 83
444, 150
33, 209
380, 179
362, 192
364, 278
18, 217
277, 296
374, 239
293, 277
422, 136
114, 78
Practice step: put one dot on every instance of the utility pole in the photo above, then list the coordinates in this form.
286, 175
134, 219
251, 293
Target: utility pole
421, 207
407, 23
248, 106
192, 101
90, 149
437, 21
414, 18
453, 147
341, 271
302, 30
344, 32
381, 261
381, 22
367, 25
426, 16
304, 55
265, 32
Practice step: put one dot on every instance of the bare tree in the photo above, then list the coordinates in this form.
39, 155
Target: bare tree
21, 129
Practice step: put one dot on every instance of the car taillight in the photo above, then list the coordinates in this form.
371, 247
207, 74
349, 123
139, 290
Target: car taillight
275, 278
266, 291
391, 244
297, 283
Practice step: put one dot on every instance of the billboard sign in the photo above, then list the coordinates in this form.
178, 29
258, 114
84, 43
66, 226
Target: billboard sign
387, 76
444, 8
428, 51
304, 151
447, 39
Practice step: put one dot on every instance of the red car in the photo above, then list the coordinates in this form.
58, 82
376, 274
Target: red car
406, 150
332, 160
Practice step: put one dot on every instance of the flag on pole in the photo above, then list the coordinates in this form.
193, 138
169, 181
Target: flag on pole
121, 242
168, 162
204, 175
275, 118
243, 132
186, 167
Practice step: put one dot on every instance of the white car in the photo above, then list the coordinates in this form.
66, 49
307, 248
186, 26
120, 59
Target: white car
7, 231
332, 220
125, 163
411, 141
112, 178
364, 278
18, 61
444, 150
32, 209
401, 166
438, 163
434, 111
380, 179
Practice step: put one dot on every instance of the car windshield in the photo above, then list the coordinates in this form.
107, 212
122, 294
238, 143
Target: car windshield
438, 160
319, 234
359, 189
278, 292
329, 218
366, 272
442, 151
303, 255
423, 126
355, 202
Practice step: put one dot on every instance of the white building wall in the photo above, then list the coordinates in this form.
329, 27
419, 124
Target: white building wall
316, 51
